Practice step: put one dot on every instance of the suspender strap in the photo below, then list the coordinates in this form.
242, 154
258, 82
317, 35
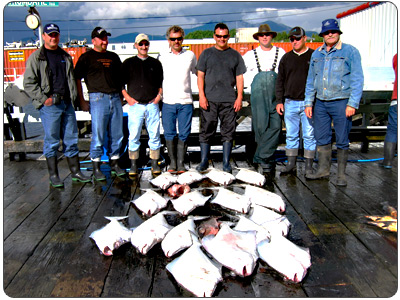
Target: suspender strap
273, 65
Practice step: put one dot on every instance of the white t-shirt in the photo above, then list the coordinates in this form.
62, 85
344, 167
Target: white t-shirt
177, 69
266, 60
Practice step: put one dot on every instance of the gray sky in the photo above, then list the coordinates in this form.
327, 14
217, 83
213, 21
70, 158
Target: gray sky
79, 18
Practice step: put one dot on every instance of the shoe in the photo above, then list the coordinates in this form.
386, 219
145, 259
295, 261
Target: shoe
324, 162
171, 147
97, 174
291, 166
226, 155
55, 180
180, 156
74, 167
115, 169
205, 151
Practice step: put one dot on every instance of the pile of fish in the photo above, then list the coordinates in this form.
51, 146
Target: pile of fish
249, 226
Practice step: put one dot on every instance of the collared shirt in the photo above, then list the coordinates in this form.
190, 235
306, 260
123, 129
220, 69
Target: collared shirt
335, 74
294, 51
177, 76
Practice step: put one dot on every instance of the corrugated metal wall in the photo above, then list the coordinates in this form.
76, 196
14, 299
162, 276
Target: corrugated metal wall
373, 32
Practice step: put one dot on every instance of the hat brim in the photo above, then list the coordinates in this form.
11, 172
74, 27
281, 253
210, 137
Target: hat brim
322, 33
53, 31
274, 34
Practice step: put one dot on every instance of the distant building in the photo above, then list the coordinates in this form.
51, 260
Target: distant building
245, 35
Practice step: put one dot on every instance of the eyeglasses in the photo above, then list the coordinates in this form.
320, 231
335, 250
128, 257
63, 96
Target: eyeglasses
176, 38
144, 44
222, 36
264, 34
292, 39
330, 31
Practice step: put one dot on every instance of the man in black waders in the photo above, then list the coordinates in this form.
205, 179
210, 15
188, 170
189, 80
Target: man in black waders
50, 83
261, 64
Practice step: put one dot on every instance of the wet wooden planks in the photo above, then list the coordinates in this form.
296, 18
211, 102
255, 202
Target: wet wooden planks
48, 252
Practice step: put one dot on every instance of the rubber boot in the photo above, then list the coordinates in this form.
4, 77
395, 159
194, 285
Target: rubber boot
291, 164
389, 150
155, 156
74, 166
205, 151
342, 155
226, 156
115, 169
55, 180
309, 158
133, 156
324, 162
171, 146
180, 156
97, 173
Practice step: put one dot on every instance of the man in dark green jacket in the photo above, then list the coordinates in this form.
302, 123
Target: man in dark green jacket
50, 83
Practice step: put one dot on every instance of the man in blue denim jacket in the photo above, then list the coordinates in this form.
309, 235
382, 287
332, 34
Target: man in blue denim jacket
335, 83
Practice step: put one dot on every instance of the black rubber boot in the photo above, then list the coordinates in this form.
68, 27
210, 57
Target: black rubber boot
324, 162
205, 151
74, 166
115, 169
309, 163
171, 147
342, 155
291, 166
55, 180
155, 156
389, 150
133, 156
180, 156
226, 156
97, 174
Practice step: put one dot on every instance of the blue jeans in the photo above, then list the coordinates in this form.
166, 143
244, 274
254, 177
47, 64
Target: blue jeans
391, 132
59, 122
107, 118
137, 114
324, 113
294, 116
172, 112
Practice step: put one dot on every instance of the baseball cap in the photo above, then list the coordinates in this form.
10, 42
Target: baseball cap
140, 37
297, 32
100, 32
49, 28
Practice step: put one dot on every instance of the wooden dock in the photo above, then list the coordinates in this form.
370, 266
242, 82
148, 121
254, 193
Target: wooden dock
47, 251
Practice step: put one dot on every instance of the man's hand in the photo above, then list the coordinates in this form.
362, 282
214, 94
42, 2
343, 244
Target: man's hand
84, 105
203, 102
237, 105
308, 111
350, 111
280, 109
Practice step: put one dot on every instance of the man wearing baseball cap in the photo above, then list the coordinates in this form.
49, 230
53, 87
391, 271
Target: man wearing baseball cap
143, 76
101, 70
290, 87
50, 83
262, 64
333, 90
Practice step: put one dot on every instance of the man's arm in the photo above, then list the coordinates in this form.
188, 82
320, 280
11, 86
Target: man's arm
129, 99
32, 84
82, 102
239, 86
203, 102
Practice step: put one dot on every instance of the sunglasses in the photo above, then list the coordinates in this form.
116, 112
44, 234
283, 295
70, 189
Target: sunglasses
330, 31
264, 34
143, 44
176, 38
292, 39
222, 36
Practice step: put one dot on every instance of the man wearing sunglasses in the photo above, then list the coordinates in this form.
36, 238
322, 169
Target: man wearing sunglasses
50, 83
220, 69
143, 76
261, 64
333, 91
178, 65
290, 87
101, 70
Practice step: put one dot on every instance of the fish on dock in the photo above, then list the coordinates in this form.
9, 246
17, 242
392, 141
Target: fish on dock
265, 198
177, 190
111, 236
251, 177
209, 226
232, 200
188, 202
220, 177
150, 202
190, 177
269, 219
235, 250
164, 180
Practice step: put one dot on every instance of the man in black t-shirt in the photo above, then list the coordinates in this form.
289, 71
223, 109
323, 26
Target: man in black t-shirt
101, 70
50, 83
143, 75
290, 89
